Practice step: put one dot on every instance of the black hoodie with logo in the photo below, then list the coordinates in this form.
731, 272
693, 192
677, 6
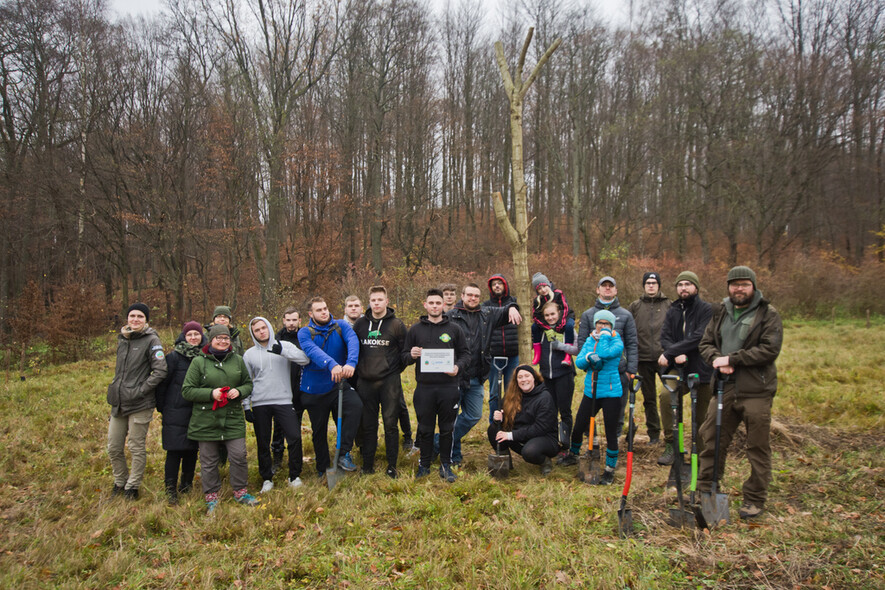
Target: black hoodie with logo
381, 345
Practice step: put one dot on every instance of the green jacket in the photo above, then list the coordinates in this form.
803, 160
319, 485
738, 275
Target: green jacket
754, 370
141, 366
205, 374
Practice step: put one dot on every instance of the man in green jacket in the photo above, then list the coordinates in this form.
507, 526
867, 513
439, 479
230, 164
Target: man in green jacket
141, 366
742, 341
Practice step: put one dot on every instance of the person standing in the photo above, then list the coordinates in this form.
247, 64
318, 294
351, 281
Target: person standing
450, 296
223, 316
557, 341
181, 452
271, 400
681, 334
333, 350
504, 341
436, 393
217, 382
742, 341
353, 309
381, 336
141, 367
288, 333
648, 313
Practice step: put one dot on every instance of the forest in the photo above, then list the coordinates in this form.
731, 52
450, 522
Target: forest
257, 152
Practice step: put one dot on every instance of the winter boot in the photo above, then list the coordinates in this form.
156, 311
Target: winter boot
669, 455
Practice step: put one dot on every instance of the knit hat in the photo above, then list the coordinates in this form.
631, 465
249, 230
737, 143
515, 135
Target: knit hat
609, 279
742, 272
192, 325
651, 275
142, 308
687, 275
604, 315
539, 279
222, 310
218, 330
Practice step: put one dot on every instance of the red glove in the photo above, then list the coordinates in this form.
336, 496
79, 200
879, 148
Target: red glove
220, 403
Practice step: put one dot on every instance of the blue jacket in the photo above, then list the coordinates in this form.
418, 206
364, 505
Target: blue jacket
608, 348
326, 350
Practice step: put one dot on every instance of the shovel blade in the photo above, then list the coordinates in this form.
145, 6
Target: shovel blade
333, 476
683, 519
685, 474
588, 469
625, 522
714, 509
499, 466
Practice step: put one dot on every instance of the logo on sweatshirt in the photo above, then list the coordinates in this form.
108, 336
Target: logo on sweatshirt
374, 334
445, 337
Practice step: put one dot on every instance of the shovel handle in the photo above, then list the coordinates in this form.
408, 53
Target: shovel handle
629, 477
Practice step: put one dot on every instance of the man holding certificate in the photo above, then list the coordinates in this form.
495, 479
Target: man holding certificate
440, 350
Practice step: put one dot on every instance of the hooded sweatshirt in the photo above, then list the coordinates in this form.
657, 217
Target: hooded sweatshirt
381, 345
504, 341
271, 382
330, 346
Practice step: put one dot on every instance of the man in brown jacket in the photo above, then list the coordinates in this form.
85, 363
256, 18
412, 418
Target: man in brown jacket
649, 312
742, 341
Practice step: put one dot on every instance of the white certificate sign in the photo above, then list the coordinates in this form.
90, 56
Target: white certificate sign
437, 360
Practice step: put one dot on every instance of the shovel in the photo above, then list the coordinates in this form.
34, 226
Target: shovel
692, 498
332, 473
714, 506
588, 464
499, 463
680, 429
625, 515
679, 517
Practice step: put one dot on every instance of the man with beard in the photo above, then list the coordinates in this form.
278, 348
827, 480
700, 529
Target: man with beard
681, 333
742, 341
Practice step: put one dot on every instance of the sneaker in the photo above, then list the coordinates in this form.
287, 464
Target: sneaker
391, 472
408, 444
295, 483
247, 500
546, 466
749, 511
669, 455
346, 463
422, 472
210, 507
131, 494
607, 478
445, 472
266, 486
118, 490
569, 459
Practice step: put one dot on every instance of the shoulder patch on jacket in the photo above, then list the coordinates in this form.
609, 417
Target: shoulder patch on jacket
159, 354
157, 347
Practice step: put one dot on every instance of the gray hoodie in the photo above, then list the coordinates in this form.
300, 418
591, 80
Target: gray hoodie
271, 385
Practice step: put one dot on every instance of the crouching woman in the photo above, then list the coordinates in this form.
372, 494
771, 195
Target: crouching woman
527, 423
217, 382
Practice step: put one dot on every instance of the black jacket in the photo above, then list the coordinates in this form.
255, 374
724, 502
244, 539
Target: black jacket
294, 368
478, 326
445, 334
682, 331
537, 416
505, 340
381, 345
175, 409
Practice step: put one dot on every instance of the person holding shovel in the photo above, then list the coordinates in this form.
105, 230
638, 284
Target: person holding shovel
527, 424
742, 341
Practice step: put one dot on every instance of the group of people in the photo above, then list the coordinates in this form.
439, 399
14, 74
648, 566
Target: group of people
208, 388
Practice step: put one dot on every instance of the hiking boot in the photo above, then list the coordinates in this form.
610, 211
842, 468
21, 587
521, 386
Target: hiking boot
211, 505
346, 463
654, 439
546, 466
367, 471
408, 444
669, 455
247, 500
445, 472
117, 490
422, 472
391, 472
295, 483
186, 487
266, 486
172, 495
131, 494
569, 459
607, 478
749, 511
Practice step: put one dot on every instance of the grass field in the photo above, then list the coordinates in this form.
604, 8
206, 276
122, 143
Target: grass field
824, 527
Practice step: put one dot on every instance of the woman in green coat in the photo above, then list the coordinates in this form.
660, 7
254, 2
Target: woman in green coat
217, 382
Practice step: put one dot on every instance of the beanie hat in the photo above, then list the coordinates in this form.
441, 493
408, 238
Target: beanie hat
191, 325
651, 275
539, 279
218, 330
142, 308
604, 315
687, 275
742, 272
222, 310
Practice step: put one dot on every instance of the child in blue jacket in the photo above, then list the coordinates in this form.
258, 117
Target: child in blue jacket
600, 356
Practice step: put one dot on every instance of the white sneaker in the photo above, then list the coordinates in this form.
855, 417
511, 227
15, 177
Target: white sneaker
267, 486
295, 483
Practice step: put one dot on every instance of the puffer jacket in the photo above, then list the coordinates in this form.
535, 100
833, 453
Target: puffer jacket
755, 372
537, 416
682, 331
608, 348
176, 410
141, 367
648, 314
205, 374
624, 325
504, 341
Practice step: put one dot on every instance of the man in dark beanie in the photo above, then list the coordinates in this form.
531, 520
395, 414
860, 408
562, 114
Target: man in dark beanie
141, 366
648, 313
742, 342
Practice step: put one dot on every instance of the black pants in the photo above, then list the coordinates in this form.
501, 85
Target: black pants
405, 423
562, 389
436, 403
319, 407
648, 370
611, 409
277, 441
386, 394
534, 450
188, 462
289, 422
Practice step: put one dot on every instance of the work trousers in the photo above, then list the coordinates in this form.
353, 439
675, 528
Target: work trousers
135, 426
236, 455
648, 371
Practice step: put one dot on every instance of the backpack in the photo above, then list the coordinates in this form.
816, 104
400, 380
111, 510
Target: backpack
336, 327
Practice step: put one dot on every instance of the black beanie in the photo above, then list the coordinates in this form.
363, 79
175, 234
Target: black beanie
142, 308
651, 275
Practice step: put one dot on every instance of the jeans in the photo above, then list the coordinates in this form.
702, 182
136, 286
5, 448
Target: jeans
494, 385
136, 427
471, 411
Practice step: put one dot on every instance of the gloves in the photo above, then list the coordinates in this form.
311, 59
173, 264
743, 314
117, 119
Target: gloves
593, 359
220, 403
277, 348
605, 331
250, 417
556, 345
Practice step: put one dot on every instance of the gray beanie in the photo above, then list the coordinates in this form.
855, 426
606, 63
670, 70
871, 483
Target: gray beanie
742, 273
540, 279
